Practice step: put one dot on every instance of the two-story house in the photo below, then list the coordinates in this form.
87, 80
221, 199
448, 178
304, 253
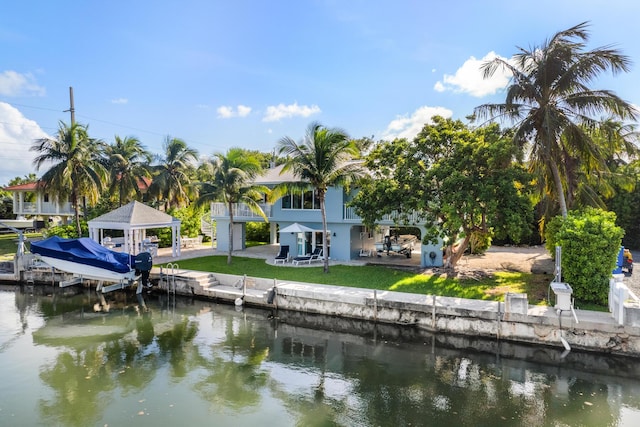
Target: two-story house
30, 201
347, 236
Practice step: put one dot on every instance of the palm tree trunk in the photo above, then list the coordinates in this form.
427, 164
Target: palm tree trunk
323, 212
230, 233
559, 190
74, 202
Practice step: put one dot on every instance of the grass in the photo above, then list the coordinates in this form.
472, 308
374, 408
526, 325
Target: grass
366, 277
9, 244
380, 278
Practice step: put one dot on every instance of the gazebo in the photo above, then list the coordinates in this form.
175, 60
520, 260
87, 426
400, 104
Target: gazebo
134, 219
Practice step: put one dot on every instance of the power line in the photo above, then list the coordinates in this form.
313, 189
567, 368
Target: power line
118, 125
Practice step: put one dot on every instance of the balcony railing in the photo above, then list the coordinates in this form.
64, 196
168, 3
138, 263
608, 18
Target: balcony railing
240, 211
392, 218
47, 208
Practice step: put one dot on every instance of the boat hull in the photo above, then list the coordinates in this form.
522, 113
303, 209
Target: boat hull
87, 271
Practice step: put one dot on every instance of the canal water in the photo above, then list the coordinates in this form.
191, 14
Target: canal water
154, 360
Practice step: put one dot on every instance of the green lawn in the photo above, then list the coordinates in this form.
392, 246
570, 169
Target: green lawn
379, 277
367, 277
9, 244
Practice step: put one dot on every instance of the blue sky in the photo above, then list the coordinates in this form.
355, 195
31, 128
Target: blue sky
246, 73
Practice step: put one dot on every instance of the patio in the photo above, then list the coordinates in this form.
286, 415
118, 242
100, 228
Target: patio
269, 252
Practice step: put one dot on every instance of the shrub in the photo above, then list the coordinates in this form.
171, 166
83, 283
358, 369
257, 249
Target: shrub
67, 231
258, 232
590, 241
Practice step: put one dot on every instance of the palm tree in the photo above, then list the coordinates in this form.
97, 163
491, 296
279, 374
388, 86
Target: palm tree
230, 180
551, 103
76, 169
321, 160
172, 178
127, 160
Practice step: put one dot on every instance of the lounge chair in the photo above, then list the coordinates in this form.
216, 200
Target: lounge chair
315, 256
283, 255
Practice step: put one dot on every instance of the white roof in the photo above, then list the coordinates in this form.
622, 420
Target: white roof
133, 215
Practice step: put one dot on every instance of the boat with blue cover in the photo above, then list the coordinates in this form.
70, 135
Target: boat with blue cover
86, 258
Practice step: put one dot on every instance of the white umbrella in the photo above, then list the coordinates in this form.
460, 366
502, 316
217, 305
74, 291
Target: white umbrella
296, 228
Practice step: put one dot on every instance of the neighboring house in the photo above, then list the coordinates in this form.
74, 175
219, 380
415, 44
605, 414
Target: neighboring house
348, 238
30, 200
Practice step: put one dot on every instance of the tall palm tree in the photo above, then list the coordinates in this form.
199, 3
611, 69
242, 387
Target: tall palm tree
127, 160
230, 180
172, 178
76, 171
321, 160
551, 103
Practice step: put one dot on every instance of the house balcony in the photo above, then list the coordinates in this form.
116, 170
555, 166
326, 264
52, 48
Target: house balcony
44, 208
389, 219
241, 211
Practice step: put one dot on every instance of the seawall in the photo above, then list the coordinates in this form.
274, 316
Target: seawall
513, 320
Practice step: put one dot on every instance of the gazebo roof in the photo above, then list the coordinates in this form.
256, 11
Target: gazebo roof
133, 215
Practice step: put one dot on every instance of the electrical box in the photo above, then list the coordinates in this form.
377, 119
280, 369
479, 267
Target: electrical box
563, 293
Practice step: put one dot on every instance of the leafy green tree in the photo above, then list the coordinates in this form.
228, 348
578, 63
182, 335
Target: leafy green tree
173, 175
551, 103
230, 181
323, 159
626, 204
127, 162
6, 205
466, 184
590, 241
76, 170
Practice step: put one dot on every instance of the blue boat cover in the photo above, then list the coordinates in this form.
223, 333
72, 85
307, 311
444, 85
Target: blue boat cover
84, 251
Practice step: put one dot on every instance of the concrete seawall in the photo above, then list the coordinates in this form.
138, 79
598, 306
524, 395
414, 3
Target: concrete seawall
513, 320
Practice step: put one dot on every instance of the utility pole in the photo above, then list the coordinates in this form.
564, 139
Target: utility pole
71, 109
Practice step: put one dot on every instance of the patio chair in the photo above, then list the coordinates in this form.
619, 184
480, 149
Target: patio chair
283, 255
315, 256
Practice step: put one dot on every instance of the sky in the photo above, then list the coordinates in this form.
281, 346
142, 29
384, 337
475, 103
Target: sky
246, 73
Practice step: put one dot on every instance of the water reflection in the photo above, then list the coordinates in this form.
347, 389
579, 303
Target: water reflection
158, 360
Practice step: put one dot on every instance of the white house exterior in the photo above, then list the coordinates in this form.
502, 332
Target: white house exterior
40, 203
348, 238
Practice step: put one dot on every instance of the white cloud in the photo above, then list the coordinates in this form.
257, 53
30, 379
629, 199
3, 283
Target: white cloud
16, 84
243, 110
468, 78
226, 112
409, 126
120, 101
281, 111
17, 134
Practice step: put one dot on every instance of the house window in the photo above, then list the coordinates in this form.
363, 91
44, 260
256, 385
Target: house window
305, 200
286, 202
46, 198
297, 201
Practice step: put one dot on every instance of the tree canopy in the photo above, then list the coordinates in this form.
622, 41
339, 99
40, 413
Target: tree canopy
553, 108
76, 170
465, 182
